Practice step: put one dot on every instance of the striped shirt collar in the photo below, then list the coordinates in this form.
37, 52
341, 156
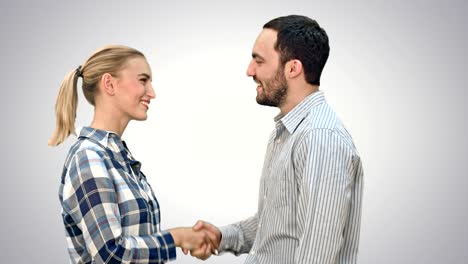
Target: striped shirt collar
292, 119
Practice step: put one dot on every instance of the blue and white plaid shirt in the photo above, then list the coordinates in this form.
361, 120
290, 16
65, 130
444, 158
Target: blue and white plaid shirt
109, 210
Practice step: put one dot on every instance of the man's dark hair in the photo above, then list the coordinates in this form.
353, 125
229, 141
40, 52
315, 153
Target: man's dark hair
301, 38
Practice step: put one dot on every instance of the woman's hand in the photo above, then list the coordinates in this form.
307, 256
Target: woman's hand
194, 241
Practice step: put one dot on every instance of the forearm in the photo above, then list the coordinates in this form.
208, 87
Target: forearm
155, 248
238, 238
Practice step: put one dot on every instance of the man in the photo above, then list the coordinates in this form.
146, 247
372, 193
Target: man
311, 186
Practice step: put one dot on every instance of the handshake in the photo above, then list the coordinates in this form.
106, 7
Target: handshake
202, 240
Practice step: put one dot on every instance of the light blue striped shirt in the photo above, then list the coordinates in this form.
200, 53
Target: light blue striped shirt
309, 207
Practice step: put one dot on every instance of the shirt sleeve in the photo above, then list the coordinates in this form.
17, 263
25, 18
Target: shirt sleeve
91, 200
325, 176
238, 238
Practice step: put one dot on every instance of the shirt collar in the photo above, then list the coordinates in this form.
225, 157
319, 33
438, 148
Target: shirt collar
292, 119
104, 138
113, 142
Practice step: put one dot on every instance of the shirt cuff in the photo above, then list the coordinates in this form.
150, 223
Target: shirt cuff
167, 243
228, 238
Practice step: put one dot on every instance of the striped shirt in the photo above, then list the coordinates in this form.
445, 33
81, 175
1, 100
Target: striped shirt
310, 193
109, 210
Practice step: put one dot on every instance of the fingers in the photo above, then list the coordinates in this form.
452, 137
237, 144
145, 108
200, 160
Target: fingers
207, 251
205, 248
203, 253
205, 225
212, 231
210, 237
214, 239
198, 226
207, 237
199, 251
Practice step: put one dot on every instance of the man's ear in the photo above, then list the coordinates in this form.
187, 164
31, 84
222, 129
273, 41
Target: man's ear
293, 69
107, 84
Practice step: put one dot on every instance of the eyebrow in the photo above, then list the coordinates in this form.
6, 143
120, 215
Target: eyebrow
145, 75
256, 55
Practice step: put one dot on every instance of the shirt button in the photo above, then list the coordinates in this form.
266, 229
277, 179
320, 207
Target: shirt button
264, 197
278, 141
252, 252
259, 225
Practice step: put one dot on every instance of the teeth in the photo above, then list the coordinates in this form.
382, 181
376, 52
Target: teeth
145, 103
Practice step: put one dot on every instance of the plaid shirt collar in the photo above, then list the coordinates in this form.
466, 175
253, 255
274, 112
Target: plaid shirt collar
113, 142
98, 135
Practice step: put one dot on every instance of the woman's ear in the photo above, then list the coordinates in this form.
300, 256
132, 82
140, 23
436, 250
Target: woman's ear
107, 84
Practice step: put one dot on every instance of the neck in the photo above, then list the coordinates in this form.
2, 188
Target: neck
105, 119
295, 96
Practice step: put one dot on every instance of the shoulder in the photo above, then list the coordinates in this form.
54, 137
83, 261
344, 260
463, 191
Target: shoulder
323, 127
83, 153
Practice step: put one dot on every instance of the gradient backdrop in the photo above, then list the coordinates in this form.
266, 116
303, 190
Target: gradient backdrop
396, 76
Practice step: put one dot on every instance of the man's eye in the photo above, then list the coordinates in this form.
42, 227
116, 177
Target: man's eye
143, 80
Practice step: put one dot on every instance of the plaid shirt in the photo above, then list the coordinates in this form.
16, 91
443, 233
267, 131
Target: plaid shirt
109, 210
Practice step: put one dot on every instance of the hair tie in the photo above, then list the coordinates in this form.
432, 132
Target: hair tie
79, 72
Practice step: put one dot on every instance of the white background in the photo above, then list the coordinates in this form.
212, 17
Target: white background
396, 76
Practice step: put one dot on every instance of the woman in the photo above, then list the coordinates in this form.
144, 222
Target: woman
109, 210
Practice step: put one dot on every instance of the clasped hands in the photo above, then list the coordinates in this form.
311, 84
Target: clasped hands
202, 240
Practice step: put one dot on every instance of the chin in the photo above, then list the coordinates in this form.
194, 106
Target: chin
261, 99
140, 118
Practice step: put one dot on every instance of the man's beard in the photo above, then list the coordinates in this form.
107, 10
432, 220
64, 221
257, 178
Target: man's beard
274, 90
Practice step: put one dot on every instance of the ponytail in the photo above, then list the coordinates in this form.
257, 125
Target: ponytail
65, 108
109, 59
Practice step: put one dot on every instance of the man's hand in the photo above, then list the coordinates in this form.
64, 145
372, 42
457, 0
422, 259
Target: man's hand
214, 235
189, 239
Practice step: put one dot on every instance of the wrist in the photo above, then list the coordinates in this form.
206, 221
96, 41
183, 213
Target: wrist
176, 235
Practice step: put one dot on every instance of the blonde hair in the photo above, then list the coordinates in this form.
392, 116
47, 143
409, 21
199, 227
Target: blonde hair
109, 59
